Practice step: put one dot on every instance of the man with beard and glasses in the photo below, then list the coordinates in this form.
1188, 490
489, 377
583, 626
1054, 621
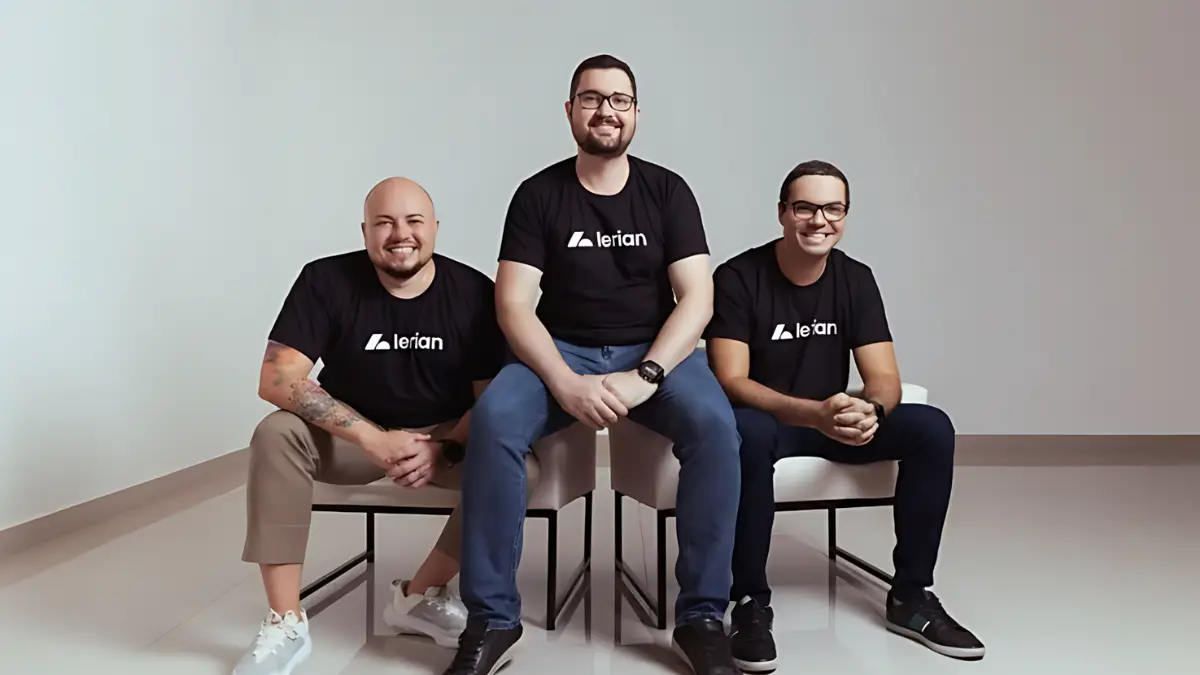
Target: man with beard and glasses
408, 338
618, 249
788, 315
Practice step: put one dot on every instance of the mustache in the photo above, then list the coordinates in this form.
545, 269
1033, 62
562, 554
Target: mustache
597, 120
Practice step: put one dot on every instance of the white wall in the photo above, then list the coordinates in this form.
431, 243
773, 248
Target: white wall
1022, 182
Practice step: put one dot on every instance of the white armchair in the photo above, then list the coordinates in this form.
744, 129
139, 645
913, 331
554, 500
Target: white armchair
561, 469
644, 469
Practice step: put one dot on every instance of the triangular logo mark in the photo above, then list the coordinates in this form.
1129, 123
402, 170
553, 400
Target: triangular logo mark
577, 241
782, 334
377, 342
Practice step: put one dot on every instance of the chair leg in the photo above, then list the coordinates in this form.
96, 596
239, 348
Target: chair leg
662, 570
370, 537
833, 549
551, 570
836, 552
587, 527
617, 499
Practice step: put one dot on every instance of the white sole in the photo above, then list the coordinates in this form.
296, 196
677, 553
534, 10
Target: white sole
756, 666
952, 652
408, 625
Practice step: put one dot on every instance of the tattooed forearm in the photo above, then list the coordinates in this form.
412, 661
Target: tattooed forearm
314, 404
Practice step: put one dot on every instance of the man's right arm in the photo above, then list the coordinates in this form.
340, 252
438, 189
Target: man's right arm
284, 382
516, 311
730, 362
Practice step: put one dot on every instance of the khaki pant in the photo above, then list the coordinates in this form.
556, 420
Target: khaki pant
287, 455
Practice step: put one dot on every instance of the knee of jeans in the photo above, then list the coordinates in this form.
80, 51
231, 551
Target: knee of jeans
759, 434
497, 414
712, 422
933, 429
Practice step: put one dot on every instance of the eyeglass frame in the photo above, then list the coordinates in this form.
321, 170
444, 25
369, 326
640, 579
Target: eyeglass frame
819, 207
607, 99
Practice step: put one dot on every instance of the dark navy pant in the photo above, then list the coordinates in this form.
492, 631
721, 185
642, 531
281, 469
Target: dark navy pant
689, 408
919, 435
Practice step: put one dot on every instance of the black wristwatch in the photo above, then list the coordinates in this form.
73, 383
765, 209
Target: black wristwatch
651, 372
880, 412
453, 451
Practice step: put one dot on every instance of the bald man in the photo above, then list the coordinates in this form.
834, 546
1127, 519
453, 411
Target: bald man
408, 339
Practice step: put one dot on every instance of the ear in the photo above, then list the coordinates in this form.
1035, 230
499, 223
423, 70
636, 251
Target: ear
567, 109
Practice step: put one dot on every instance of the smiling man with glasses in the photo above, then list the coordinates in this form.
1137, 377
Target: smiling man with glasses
787, 317
617, 247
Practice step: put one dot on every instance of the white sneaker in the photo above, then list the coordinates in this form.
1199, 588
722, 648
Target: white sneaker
438, 614
281, 645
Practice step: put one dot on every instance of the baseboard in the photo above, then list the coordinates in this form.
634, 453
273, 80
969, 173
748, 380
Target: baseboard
173, 492
187, 487
1051, 450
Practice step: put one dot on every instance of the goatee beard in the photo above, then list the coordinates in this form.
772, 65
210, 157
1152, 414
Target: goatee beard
404, 274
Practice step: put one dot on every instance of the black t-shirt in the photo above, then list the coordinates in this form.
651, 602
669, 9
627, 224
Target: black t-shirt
401, 363
603, 258
800, 337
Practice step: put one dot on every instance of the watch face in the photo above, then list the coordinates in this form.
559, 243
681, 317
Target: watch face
651, 371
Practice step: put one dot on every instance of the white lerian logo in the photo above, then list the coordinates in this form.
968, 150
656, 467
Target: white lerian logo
618, 240
418, 342
784, 332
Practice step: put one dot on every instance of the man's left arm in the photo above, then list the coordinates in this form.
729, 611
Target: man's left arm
880, 374
871, 342
691, 280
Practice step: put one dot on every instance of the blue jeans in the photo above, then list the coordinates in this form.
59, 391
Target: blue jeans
689, 408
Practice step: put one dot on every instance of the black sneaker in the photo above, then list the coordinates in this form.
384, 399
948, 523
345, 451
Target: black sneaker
483, 651
703, 645
926, 621
752, 642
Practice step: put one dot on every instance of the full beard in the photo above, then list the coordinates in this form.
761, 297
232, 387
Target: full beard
606, 147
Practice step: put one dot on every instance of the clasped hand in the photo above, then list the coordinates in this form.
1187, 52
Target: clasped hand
409, 458
848, 419
600, 400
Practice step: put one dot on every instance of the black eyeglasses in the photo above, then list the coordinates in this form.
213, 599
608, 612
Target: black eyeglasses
833, 211
591, 100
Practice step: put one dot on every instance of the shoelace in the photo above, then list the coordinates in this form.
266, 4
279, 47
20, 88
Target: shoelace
271, 636
938, 616
752, 625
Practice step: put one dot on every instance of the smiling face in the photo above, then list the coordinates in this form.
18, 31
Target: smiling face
603, 112
399, 227
813, 214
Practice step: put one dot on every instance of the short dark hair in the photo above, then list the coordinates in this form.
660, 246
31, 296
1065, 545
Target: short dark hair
813, 167
601, 62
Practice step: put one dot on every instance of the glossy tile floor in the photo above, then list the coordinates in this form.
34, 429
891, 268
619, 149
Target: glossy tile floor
1059, 570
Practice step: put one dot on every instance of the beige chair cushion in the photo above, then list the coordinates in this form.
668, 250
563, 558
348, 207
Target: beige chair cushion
644, 468
562, 468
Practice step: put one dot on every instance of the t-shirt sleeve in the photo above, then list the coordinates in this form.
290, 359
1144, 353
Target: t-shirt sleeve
683, 231
487, 340
870, 319
304, 322
732, 308
524, 238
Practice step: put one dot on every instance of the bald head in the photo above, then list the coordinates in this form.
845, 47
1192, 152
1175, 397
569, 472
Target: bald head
397, 189
399, 226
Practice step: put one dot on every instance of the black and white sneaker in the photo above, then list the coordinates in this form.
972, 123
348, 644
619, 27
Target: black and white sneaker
703, 645
483, 651
927, 622
752, 641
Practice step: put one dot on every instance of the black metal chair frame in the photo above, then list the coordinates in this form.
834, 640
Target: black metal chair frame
554, 605
658, 608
